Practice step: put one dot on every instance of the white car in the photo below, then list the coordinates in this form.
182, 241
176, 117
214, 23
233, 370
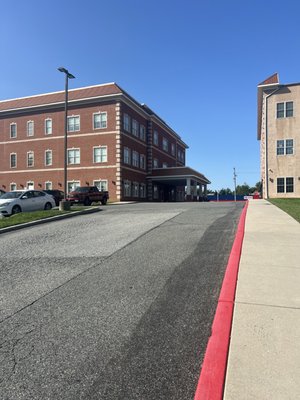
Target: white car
25, 200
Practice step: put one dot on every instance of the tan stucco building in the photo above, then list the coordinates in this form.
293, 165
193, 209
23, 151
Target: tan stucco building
279, 135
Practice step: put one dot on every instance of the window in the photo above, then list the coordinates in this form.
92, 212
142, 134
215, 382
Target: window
48, 126
155, 192
100, 154
30, 185
285, 147
126, 122
13, 160
289, 185
280, 185
135, 128
142, 133
74, 156
142, 190
13, 130
155, 163
127, 188
127, 158
13, 186
48, 185
165, 144
155, 138
165, 165
135, 159
280, 147
72, 185
73, 123
285, 109
100, 120
173, 149
101, 185
30, 159
142, 161
135, 189
48, 157
30, 128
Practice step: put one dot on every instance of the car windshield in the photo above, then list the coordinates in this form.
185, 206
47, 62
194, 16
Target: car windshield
81, 189
12, 195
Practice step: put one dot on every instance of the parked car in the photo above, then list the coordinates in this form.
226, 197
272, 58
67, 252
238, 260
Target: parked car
25, 200
57, 194
2, 192
87, 195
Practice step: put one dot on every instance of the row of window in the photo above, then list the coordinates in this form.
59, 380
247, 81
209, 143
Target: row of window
285, 147
134, 189
99, 122
285, 185
101, 185
285, 109
132, 157
99, 156
130, 125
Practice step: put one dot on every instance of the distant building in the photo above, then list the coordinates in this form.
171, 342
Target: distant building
114, 142
279, 135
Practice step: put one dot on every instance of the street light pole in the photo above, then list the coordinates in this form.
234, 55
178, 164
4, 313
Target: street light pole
234, 180
68, 76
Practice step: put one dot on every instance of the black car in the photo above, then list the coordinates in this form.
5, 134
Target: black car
57, 194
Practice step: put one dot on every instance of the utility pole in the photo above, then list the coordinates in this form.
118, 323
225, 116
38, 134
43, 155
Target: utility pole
234, 180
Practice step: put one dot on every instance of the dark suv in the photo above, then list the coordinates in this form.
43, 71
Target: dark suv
57, 194
2, 192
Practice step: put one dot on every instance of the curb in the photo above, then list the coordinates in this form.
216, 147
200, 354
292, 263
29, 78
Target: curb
212, 376
49, 219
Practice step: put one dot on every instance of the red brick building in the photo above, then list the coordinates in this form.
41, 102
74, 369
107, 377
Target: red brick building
114, 143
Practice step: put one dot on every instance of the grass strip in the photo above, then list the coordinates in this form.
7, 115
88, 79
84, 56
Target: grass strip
290, 206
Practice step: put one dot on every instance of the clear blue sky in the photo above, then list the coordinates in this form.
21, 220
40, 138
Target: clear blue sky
195, 63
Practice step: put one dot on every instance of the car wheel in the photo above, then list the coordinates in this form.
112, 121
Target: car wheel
48, 206
16, 210
104, 201
87, 202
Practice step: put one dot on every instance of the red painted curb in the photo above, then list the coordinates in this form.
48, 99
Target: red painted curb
212, 377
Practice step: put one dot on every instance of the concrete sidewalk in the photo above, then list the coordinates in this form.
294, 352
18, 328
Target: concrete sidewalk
264, 354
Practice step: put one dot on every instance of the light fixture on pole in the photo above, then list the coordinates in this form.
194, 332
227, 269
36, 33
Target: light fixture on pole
68, 76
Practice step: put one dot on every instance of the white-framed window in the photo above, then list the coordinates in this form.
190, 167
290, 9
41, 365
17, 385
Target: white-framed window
127, 155
100, 154
173, 149
126, 122
72, 185
285, 147
142, 161
48, 126
13, 130
142, 190
135, 158
142, 133
285, 185
73, 156
155, 138
48, 185
30, 185
155, 192
285, 109
135, 189
30, 128
74, 123
13, 186
165, 165
180, 156
101, 184
48, 157
165, 144
127, 188
13, 160
30, 159
135, 128
155, 163
100, 120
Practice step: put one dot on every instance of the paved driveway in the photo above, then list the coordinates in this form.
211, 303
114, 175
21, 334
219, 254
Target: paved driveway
113, 305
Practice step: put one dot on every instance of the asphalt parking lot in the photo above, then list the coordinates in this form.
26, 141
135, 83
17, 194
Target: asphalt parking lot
112, 305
